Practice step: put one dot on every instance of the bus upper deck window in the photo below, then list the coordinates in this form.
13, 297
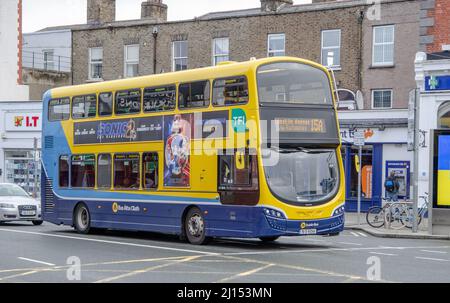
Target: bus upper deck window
159, 98
59, 109
84, 107
128, 102
194, 95
230, 91
105, 104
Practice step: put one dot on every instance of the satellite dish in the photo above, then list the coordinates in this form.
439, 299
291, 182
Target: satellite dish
359, 100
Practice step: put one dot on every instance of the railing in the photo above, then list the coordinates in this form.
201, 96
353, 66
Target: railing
46, 61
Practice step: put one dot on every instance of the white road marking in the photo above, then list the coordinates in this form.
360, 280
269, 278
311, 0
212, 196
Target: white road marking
382, 254
111, 242
355, 234
434, 251
36, 261
432, 259
362, 234
350, 243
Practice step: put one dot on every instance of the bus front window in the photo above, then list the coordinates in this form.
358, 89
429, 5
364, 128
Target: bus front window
302, 176
293, 83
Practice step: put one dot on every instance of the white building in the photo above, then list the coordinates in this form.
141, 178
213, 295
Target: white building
20, 126
385, 150
10, 57
48, 50
433, 82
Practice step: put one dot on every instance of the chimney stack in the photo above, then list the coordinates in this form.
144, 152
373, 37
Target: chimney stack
274, 5
101, 11
155, 10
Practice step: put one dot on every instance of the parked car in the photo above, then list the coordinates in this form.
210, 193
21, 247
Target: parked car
17, 205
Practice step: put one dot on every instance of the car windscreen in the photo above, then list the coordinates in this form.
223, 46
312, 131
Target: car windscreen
11, 190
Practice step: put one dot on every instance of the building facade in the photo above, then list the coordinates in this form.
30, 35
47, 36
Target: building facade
370, 48
20, 130
46, 58
11, 84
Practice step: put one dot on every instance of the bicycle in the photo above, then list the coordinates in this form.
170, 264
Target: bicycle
377, 216
408, 221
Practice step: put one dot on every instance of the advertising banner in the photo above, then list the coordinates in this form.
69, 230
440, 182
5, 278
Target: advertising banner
117, 131
178, 131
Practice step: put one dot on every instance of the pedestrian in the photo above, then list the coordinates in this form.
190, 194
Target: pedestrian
391, 185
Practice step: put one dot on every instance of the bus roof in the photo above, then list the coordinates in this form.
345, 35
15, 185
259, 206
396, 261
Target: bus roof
222, 70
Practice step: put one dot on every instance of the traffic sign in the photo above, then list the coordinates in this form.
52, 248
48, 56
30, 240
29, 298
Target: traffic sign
358, 138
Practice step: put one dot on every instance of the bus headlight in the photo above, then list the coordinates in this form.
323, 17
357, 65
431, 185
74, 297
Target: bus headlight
339, 210
273, 213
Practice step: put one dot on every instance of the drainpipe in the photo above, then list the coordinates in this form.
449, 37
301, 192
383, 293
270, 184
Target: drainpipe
155, 40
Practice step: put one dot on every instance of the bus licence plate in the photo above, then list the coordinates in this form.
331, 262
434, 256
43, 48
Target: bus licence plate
311, 231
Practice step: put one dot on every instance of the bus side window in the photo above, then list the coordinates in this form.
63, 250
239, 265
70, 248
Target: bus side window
59, 109
150, 170
104, 171
83, 171
128, 102
159, 99
64, 171
126, 171
230, 91
235, 170
84, 107
105, 104
194, 95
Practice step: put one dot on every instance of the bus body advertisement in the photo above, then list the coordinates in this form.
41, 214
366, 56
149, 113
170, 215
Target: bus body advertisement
246, 150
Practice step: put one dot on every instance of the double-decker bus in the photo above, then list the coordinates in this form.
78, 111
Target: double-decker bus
244, 150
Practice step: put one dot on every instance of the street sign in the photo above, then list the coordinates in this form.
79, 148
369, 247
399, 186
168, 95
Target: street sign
359, 138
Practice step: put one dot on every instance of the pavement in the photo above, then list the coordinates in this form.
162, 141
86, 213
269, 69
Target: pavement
351, 223
51, 253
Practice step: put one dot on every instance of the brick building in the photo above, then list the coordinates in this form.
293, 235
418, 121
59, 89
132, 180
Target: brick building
435, 25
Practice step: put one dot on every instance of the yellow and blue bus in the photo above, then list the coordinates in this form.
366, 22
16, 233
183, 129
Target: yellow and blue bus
244, 150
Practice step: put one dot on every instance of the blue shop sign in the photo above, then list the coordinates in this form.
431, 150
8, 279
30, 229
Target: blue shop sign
434, 83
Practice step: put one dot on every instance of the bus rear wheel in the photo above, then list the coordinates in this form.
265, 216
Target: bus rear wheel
82, 219
194, 227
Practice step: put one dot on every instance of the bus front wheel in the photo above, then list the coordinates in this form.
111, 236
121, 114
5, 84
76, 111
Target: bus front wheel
82, 219
194, 226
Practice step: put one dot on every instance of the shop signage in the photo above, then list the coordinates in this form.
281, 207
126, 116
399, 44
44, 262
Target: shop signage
434, 83
23, 122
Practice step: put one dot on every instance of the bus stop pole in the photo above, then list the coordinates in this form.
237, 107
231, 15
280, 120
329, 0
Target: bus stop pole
359, 185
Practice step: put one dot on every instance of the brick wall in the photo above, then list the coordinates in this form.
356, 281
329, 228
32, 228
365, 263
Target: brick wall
435, 24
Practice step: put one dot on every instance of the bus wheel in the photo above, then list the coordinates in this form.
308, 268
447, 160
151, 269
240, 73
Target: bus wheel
37, 222
269, 239
194, 226
82, 219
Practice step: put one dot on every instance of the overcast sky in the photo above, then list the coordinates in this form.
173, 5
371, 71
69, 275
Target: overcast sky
38, 14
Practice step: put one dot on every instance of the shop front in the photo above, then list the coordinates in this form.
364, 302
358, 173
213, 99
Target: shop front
20, 140
385, 150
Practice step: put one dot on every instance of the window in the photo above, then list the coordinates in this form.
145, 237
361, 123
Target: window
150, 170
95, 63
195, 94
83, 171
105, 104
221, 50
331, 48
126, 171
49, 61
64, 171
104, 171
59, 109
84, 107
230, 91
383, 45
276, 45
128, 102
179, 55
131, 62
382, 98
293, 83
158, 99
235, 170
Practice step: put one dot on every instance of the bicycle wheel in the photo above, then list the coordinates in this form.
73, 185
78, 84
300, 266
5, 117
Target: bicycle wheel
397, 215
408, 220
375, 217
